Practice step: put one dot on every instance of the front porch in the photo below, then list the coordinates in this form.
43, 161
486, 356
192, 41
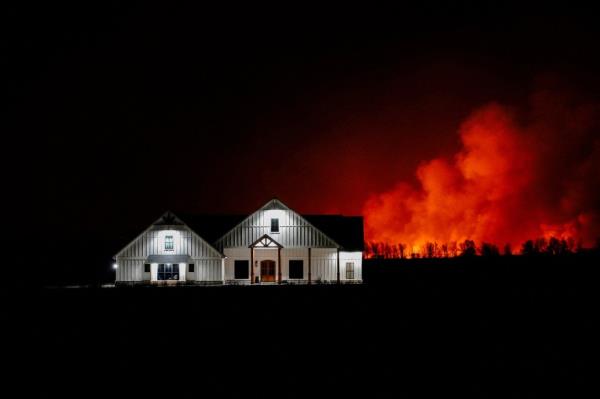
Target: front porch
265, 261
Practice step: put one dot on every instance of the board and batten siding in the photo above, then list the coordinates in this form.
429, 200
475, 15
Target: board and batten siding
324, 264
130, 269
231, 255
207, 260
355, 258
294, 231
288, 254
209, 270
185, 242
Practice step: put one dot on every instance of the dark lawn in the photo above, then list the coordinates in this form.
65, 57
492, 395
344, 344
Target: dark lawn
511, 327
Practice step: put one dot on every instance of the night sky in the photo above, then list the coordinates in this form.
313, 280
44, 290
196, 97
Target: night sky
438, 123
117, 113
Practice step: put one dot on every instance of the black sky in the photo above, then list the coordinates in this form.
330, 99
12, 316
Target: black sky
118, 112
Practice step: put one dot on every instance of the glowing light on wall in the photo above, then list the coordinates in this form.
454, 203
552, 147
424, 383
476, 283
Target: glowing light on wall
173, 246
274, 214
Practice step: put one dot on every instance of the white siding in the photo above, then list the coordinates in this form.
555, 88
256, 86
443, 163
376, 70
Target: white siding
323, 262
130, 269
294, 231
130, 261
233, 254
354, 257
296, 235
209, 270
288, 254
152, 243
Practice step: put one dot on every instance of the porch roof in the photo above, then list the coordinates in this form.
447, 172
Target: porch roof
169, 259
265, 241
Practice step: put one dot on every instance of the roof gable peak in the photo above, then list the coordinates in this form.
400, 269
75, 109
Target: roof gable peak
274, 204
168, 219
271, 205
265, 241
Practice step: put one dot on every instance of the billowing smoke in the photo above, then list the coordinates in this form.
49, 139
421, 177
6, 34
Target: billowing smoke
517, 176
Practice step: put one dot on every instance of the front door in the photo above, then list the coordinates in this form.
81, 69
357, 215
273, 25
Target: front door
267, 271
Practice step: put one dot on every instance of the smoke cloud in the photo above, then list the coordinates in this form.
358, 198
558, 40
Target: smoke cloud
517, 176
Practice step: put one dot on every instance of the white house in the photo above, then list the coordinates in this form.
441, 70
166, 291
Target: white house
274, 245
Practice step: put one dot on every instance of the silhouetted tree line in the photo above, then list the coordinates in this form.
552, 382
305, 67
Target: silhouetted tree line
540, 246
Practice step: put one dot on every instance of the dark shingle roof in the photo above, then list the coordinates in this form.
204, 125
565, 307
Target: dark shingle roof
347, 231
211, 227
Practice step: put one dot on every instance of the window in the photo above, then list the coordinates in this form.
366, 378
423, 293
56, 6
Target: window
296, 269
146, 267
274, 225
168, 243
241, 269
350, 271
168, 271
191, 268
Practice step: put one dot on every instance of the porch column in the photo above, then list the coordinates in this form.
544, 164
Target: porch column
251, 265
309, 266
338, 265
223, 269
279, 264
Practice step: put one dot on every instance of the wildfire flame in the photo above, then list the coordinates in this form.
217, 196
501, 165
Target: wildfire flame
515, 178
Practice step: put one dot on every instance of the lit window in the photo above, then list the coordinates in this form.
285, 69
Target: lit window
274, 225
168, 271
241, 268
350, 271
296, 269
168, 243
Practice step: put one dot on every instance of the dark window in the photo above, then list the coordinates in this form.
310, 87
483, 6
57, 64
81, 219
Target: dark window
274, 225
296, 269
191, 268
241, 269
168, 271
350, 271
146, 267
168, 243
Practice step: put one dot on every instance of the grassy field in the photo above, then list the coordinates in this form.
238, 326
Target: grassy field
505, 327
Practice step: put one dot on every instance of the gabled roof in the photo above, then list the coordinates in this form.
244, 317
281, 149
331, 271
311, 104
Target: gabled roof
169, 219
276, 204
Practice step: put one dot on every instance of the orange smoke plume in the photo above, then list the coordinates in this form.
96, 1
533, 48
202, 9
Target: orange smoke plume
516, 177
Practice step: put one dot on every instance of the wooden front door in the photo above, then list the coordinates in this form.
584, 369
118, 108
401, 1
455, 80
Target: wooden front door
267, 271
